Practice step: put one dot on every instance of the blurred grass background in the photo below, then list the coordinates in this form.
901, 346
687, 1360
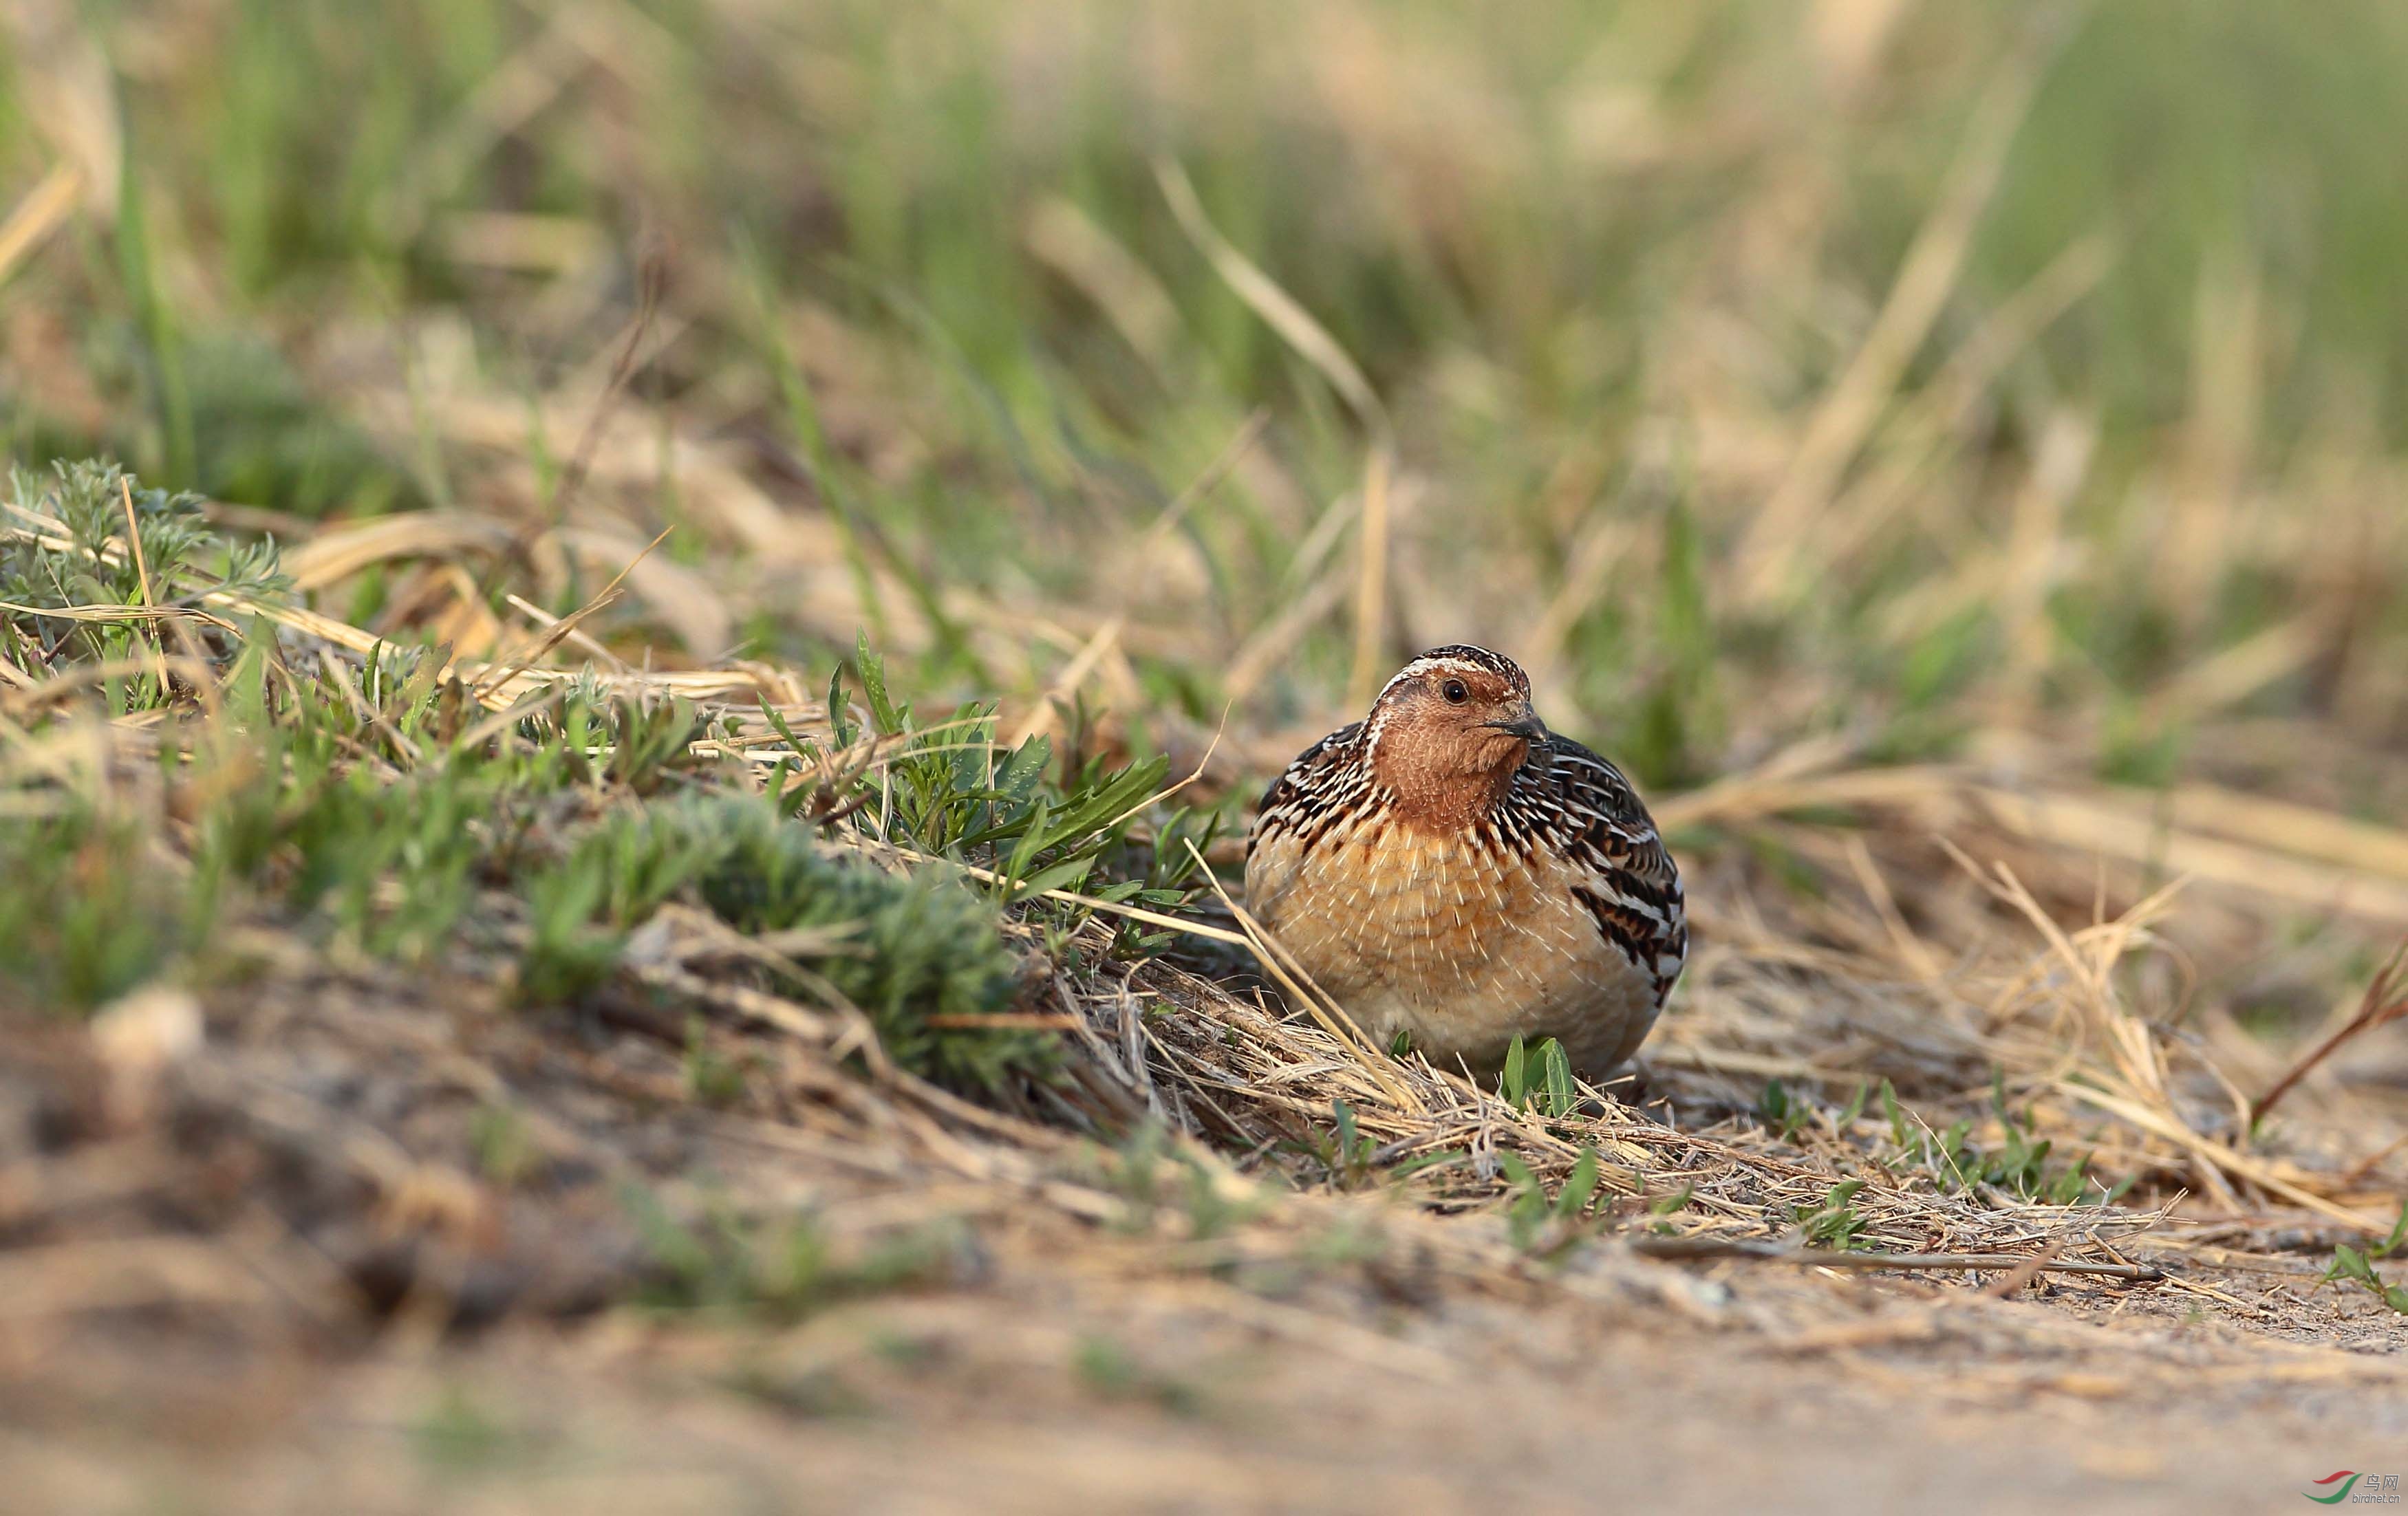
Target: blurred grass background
2015, 384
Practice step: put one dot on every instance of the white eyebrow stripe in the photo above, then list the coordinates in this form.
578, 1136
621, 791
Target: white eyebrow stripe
1420, 666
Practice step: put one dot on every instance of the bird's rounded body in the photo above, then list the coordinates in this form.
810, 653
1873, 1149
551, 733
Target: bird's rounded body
1468, 880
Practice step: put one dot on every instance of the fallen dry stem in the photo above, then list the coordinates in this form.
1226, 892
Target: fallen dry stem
1773, 1252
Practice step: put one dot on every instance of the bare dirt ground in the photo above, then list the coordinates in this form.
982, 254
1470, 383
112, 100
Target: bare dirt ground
349, 1322
1473, 1406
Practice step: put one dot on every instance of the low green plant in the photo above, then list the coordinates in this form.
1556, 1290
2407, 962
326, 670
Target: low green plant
85, 912
2350, 1263
1784, 1113
394, 866
2021, 1164
1539, 1079
566, 954
924, 947
779, 1268
913, 950
949, 791
1668, 1206
73, 557
648, 740
1835, 1223
1344, 1153
1899, 1131
1546, 1227
2356, 1266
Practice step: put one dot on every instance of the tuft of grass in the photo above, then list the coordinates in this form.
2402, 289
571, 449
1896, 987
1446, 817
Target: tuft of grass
1666, 1206
924, 946
1344, 1153
778, 1269
1784, 1114
949, 791
2021, 1164
393, 869
1679, 719
85, 913
1835, 1223
1539, 1079
913, 950
1552, 1228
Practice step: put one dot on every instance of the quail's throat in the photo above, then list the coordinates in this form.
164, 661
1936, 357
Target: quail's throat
1450, 786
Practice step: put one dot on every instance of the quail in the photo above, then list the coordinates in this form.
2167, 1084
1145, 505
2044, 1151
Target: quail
1449, 869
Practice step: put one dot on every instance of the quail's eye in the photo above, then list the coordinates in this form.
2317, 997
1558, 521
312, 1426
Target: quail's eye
1454, 692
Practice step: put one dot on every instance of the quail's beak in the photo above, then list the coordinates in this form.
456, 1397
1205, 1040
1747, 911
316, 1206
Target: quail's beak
1525, 725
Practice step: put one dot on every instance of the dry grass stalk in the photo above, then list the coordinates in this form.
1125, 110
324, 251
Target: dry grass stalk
2383, 1001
